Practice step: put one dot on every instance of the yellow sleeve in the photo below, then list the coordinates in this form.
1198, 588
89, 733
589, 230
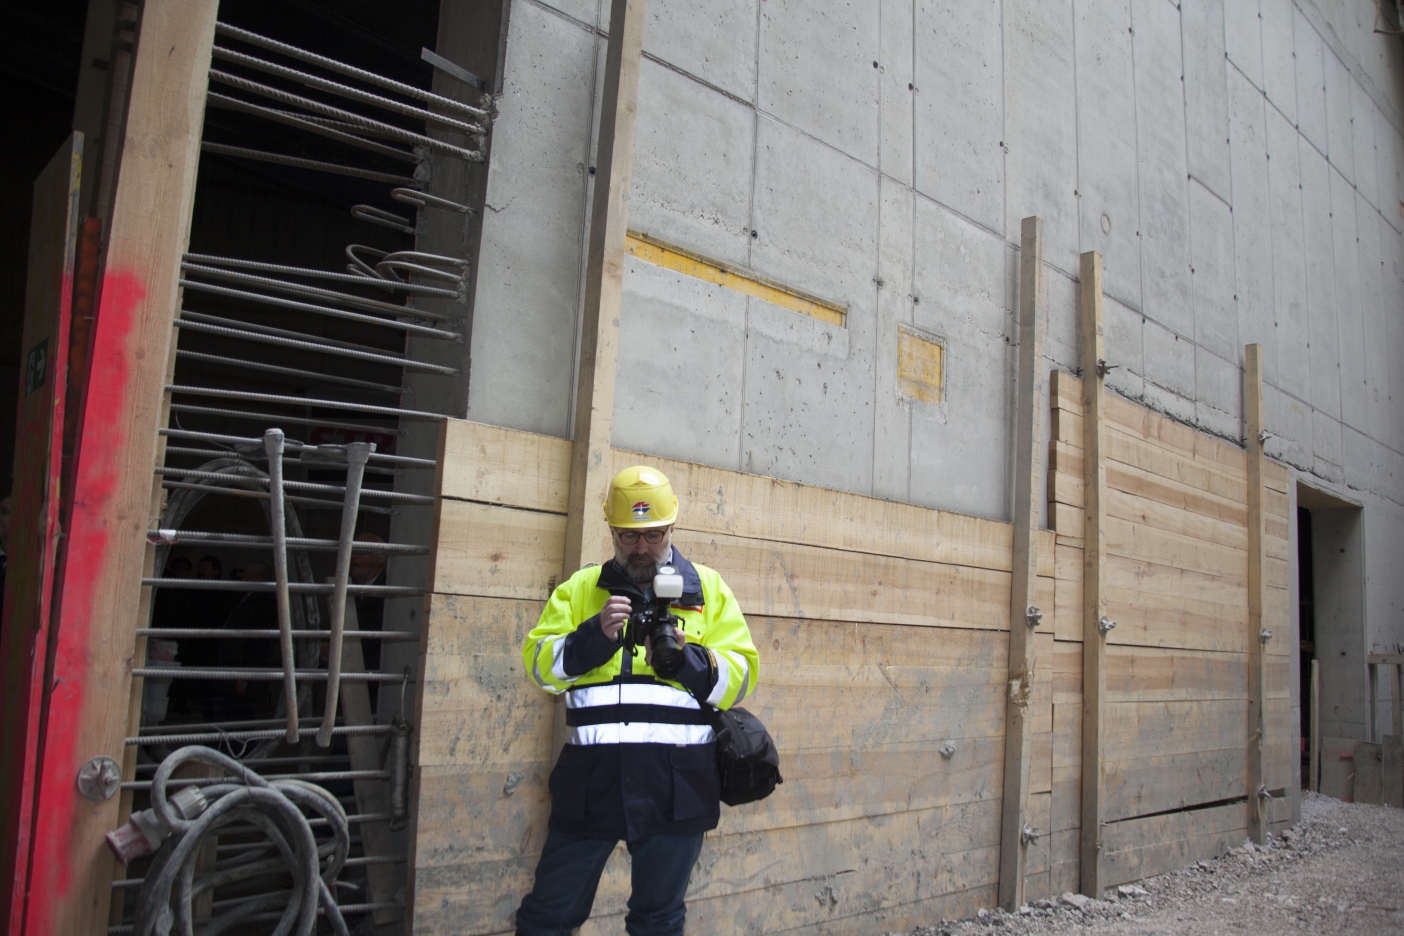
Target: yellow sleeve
544, 649
729, 639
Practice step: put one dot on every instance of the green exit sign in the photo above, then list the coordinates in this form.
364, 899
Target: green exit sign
36, 367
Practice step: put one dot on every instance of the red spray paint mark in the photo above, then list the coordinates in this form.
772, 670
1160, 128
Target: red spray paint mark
99, 473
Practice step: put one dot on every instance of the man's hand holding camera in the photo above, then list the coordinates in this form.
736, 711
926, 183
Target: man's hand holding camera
615, 616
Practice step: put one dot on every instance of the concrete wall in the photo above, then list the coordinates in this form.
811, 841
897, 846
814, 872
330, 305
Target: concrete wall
1235, 161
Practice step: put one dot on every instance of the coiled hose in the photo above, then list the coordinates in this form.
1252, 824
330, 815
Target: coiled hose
275, 808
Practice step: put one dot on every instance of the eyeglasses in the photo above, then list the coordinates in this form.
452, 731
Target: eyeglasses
630, 537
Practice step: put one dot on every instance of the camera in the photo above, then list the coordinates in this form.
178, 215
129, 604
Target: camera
655, 622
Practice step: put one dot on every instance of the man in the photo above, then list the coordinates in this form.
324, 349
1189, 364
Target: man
639, 763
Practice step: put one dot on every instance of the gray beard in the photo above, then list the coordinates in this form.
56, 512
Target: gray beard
641, 569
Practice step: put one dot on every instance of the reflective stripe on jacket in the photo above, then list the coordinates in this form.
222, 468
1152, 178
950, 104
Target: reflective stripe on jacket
639, 757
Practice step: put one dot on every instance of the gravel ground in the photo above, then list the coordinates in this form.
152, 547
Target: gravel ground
1341, 871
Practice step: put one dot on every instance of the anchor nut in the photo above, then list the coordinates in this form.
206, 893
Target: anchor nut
99, 779
1105, 625
1032, 615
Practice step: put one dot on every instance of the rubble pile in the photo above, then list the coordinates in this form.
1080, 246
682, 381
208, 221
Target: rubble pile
1341, 870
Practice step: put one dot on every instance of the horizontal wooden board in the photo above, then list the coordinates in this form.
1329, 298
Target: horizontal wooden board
1175, 519
1156, 784
499, 552
1067, 522
1148, 424
1139, 452
1145, 543
1157, 674
1137, 730
1141, 848
785, 580
508, 467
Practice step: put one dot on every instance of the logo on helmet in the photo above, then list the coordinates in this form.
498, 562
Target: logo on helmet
642, 509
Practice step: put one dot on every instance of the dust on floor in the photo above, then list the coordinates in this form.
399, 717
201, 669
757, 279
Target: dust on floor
1340, 871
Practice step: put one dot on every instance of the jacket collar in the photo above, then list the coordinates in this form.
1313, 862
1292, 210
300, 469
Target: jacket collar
614, 580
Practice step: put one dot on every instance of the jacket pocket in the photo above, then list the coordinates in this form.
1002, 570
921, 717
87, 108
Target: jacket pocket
570, 784
696, 783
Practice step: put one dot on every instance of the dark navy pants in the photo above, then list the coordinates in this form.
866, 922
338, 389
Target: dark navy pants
570, 869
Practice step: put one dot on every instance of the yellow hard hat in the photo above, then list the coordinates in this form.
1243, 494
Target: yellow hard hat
639, 498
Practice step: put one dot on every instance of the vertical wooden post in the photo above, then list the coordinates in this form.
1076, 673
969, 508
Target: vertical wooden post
1371, 731
1094, 560
604, 287
1396, 689
35, 524
1257, 657
1314, 782
101, 598
1023, 617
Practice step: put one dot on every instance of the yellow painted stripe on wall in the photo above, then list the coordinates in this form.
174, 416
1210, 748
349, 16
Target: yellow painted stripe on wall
689, 264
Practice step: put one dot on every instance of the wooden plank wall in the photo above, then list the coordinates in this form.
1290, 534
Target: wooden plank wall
883, 631
1177, 686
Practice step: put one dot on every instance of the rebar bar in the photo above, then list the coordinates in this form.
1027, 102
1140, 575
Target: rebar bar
266, 418
243, 152
346, 91
317, 376
296, 588
391, 411
379, 216
330, 64
212, 737
225, 102
425, 200
403, 461
314, 777
424, 331
357, 454
309, 486
180, 633
310, 503
302, 289
331, 275
256, 675
233, 328
199, 537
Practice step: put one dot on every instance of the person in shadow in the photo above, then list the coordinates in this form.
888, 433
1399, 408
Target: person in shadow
240, 699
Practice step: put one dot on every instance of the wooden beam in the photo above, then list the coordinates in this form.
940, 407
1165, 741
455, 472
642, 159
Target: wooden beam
100, 596
35, 524
1023, 617
586, 531
1094, 560
1256, 639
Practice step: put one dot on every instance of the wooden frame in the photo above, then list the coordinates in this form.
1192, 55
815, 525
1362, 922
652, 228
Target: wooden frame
604, 287
1024, 566
101, 599
1258, 635
1094, 560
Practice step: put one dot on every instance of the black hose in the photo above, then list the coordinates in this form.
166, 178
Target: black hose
276, 809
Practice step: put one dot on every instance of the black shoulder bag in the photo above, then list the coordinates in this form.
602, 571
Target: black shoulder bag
746, 756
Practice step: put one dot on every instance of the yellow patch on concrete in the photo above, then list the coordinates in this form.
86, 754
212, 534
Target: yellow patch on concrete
919, 367
681, 261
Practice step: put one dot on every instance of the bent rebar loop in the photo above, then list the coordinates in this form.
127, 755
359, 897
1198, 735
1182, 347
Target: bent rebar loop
357, 454
273, 446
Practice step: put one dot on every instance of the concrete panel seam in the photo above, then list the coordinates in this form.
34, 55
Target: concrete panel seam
1328, 35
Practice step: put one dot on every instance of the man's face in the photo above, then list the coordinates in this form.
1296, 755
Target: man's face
640, 559
366, 566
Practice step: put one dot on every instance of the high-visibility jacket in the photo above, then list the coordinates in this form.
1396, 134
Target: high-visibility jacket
640, 755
